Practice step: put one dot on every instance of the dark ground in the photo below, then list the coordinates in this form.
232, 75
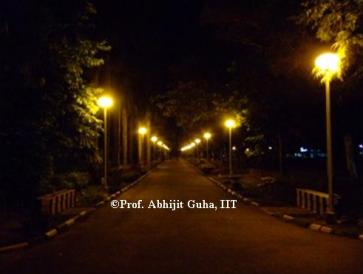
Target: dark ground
243, 240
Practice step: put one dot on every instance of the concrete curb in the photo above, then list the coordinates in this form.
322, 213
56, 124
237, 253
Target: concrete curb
62, 227
285, 217
14, 247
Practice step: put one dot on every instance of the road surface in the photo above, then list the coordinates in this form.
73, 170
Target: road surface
137, 241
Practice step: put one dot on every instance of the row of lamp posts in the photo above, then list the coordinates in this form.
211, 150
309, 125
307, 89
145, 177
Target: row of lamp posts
230, 124
105, 102
327, 66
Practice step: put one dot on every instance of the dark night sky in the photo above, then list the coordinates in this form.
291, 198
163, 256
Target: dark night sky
159, 41
155, 44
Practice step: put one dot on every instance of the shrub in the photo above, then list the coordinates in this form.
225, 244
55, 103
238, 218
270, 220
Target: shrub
91, 195
76, 180
206, 167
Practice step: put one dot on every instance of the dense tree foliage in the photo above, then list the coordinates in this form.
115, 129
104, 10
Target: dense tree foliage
193, 105
338, 23
47, 49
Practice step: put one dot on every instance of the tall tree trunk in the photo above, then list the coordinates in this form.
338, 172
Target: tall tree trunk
148, 142
131, 141
140, 150
124, 137
119, 139
349, 156
281, 153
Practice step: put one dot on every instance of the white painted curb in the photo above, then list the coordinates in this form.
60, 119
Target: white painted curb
326, 229
52, 233
288, 217
315, 227
14, 247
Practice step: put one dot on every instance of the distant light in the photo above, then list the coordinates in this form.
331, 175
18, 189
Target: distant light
247, 150
270, 148
105, 102
142, 130
207, 135
159, 143
230, 123
197, 140
154, 139
187, 147
234, 148
302, 149
361, 146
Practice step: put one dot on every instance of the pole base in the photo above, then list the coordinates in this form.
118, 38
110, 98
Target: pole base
330, 218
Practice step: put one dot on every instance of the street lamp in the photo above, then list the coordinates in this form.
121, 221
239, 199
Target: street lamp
327, 66
154, 139
197, 142
105, 102
207, 136
160, 144
141, 131
230, 124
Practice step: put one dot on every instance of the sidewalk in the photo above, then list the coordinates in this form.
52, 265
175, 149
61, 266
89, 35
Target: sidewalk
273, 199
13, 236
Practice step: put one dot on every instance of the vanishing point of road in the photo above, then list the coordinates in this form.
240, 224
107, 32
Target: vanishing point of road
160, 241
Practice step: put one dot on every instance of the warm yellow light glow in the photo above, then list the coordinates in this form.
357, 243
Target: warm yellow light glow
166, 147
230, 123
159, 143
105, 102
187, 147
154, 139
207, 135
142, 130
197, 141
327, 65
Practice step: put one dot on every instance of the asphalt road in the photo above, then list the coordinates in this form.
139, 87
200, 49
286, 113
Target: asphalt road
241, 240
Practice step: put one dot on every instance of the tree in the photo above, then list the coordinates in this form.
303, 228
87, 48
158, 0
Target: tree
50, 105
192, 105
339, 23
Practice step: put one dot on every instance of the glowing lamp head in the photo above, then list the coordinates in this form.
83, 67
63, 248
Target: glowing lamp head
105, 102
207, 135
142, 130
327, 65
197, 141
154, 139
230, 123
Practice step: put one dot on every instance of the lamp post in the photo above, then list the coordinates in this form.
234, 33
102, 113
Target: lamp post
327, 66
160, 144
153, 139
207, 136
105, 102
230, 124
197, 142
141, 131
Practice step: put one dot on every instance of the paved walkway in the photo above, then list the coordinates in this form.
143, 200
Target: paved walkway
242, 240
